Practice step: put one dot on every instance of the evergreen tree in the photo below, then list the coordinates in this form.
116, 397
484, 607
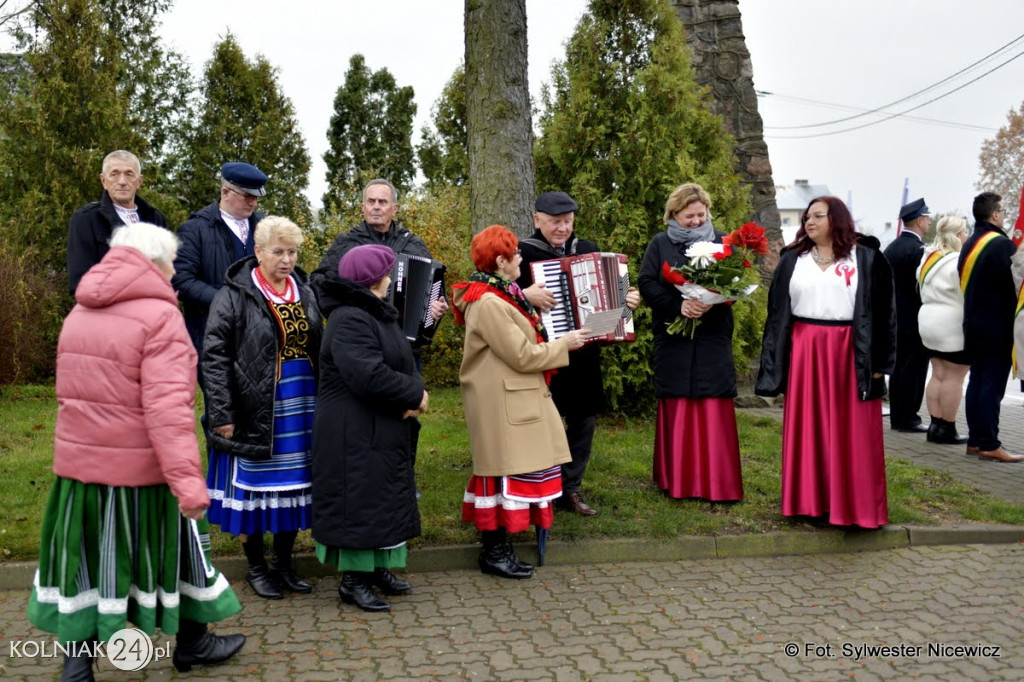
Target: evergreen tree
370, 132
442, 154
244, 116
624, 123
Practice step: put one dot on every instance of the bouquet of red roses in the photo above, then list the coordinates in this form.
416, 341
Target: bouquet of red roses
717, 273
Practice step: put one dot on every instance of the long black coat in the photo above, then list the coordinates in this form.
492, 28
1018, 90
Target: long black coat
904, 257
240, 355
578, 388
90, 231
364, 493
701, 367
991, 298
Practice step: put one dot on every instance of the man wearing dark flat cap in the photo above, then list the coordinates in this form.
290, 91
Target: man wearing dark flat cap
906, 385
577, 389
213, 238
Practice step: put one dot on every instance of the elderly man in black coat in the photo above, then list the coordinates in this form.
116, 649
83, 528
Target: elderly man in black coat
906, 385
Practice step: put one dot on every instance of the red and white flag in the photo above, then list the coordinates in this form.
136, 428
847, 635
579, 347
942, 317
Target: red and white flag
1018, 227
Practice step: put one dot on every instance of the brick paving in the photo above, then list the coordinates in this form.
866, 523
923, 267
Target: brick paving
709, 619
705, 618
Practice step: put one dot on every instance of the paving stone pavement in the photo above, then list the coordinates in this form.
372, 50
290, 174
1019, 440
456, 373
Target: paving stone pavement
711, 619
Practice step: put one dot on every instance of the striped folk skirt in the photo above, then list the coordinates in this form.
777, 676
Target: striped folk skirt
512, 502
109, 555
253, 496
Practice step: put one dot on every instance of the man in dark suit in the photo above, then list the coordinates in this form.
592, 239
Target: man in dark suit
906, 385
990, 301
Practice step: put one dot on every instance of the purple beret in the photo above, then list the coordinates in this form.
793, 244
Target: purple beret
367, 264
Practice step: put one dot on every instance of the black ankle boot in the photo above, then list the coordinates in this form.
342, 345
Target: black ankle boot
196, 645
355, 589
78, 668
496, 557
935, 430
523, 566
285, 576
262, 583
947, 434
389, 583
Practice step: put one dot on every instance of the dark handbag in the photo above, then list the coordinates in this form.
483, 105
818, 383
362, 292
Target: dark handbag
876, 390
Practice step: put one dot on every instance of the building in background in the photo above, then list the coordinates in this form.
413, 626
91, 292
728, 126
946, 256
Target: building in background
792, 200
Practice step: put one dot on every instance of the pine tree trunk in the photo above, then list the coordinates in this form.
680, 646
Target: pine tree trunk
498, 123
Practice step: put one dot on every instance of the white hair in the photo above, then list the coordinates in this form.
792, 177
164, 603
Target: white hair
121, 155
155, 243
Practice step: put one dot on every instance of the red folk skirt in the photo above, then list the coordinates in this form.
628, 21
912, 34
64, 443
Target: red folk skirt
697, 449
512, 502
833, 452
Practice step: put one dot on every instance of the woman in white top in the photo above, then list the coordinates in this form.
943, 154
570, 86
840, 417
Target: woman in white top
829, 339
941, 322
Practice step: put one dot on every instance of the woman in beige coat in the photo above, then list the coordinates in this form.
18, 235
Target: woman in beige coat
515, 432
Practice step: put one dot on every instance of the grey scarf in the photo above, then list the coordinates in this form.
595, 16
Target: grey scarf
687, 236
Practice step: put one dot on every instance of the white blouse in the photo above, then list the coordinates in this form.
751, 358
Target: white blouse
827, 294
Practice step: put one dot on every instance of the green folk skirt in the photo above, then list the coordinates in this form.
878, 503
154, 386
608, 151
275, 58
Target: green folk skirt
109, 555
362, 560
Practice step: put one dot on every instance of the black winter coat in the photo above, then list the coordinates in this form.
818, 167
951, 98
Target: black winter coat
364, 493
90, 231
991, 297
397, 238
701, 367
241, 353
874, 324
208, 248
577, 388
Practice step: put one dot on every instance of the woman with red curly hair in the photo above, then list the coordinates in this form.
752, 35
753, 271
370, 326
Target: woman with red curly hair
515, 433
829, 338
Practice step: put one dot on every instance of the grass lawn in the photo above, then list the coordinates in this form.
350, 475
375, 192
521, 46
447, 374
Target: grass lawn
618, 483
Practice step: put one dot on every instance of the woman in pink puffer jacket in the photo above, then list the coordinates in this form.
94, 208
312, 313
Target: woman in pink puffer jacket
123, 530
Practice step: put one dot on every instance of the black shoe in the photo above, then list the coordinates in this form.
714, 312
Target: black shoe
935, 430
78, 668
355, 589
503, 563
207, 649
947, 434
287, 578
522, 565
261, 583
915, 428
389, 583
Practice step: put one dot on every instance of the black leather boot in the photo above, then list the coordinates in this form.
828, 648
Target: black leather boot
389, 583
258, 576
947, 434
355, 589
281, 570
934, 430
196, 645
78, 668
496, 557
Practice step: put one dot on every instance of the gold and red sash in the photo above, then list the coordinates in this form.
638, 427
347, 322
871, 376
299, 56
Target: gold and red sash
972, 257
1016, 312
930, 262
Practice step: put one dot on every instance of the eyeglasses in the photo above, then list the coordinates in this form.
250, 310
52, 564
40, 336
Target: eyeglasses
816, 216
244, 195
279, 253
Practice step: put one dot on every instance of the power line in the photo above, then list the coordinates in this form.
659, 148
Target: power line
846, 107
878, 109
900, 113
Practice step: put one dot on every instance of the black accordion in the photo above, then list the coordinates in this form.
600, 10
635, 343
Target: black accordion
583, 285
416, 282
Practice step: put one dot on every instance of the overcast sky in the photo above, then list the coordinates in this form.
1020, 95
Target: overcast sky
854, 53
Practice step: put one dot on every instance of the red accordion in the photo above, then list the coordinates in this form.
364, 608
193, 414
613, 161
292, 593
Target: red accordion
583, 285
